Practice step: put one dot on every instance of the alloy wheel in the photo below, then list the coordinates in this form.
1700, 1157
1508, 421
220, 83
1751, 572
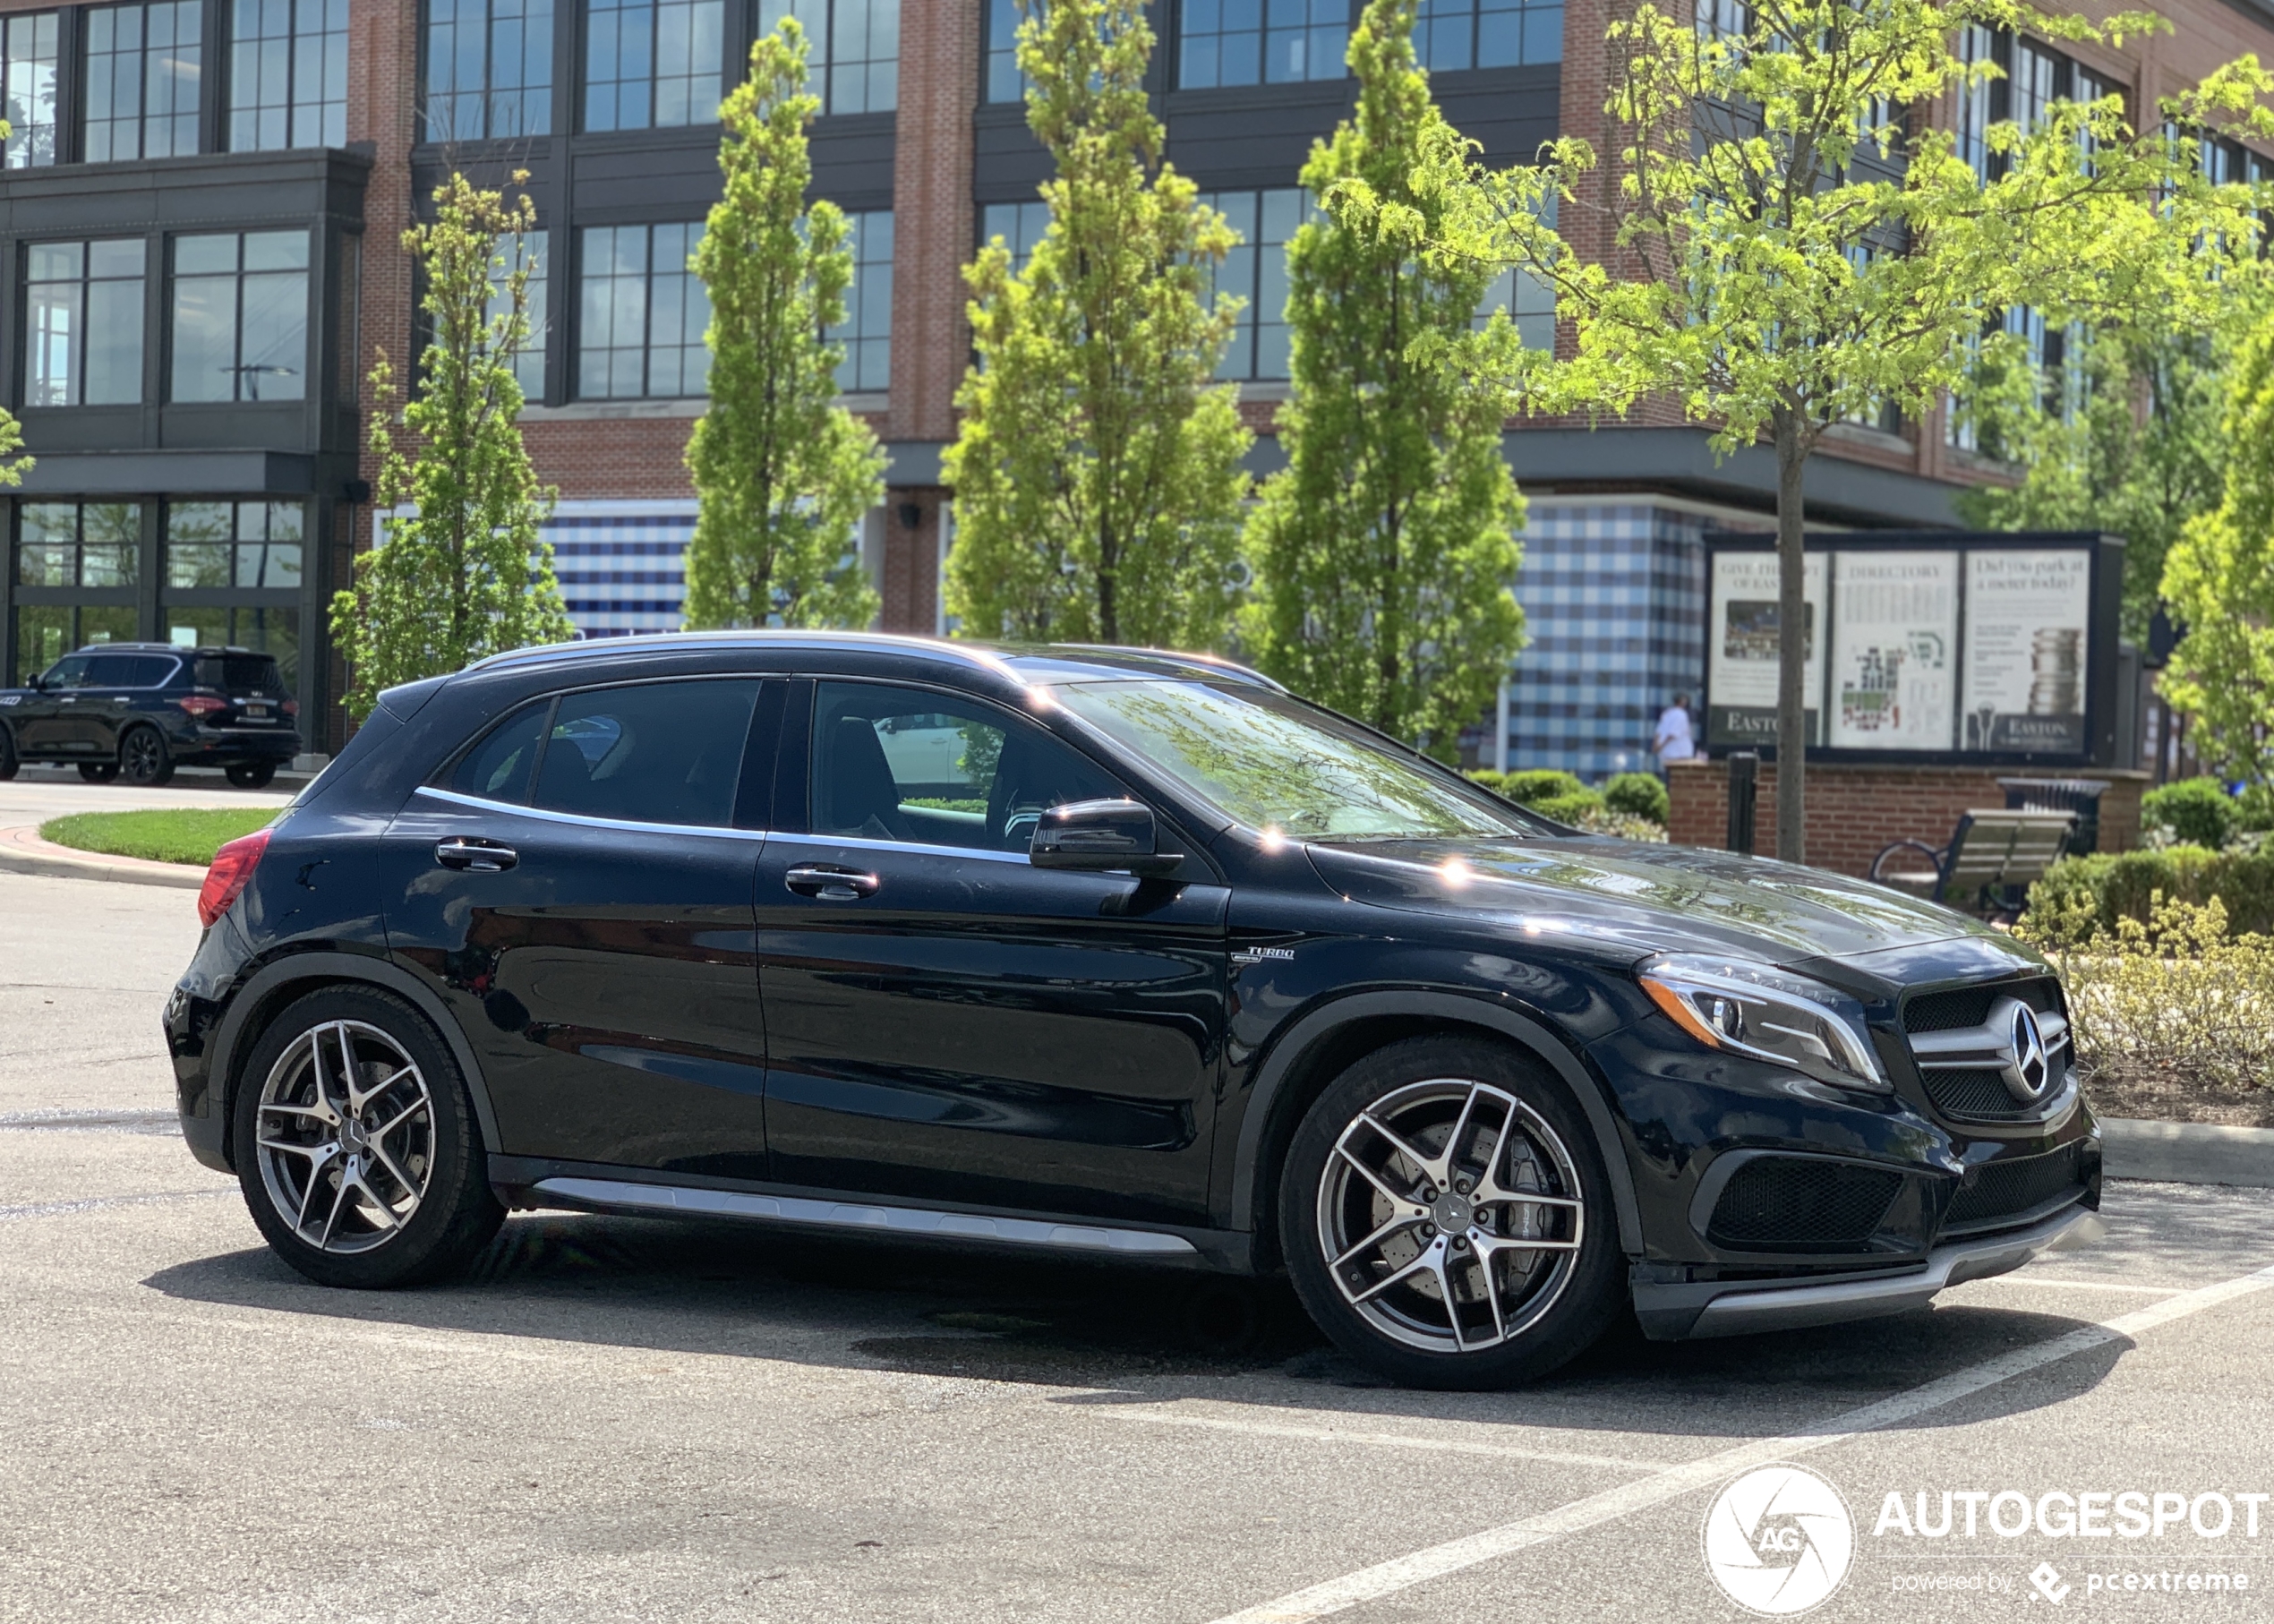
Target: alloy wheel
1449, 1215
145, 756
345, 1130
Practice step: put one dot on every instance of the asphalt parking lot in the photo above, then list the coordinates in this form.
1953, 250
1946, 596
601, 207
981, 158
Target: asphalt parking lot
623, 1419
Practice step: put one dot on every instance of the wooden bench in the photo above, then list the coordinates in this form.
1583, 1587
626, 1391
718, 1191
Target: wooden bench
1993, 857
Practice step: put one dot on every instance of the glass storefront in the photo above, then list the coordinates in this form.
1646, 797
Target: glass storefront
46, 632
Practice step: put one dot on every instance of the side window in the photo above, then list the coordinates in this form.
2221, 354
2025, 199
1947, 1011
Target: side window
114, 671
70, 672
909, 765
154, 670
653, 753
498, 768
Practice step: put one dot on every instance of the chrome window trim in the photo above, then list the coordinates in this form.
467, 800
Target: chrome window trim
583, 821
872, 1216
869, 844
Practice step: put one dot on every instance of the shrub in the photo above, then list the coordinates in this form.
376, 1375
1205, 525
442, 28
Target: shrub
1638, 795
2082, 899
1573, 808
2198, 811
1533, 785
1623, 825
2177, 993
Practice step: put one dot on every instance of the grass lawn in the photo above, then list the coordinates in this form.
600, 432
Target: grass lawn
185, 834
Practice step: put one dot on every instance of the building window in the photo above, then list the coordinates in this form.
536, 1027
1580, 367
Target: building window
866, 330
529, 359
1976, 45
27, 68
1529, 301
1256, 272
489, 69
78, 543
46, 632
241, 316
287, 74
262, 628
83, 322
1453, 34
256, 545
1262, 41
853, 55
143, 68
1004, 82
1021, 226
641, 317
651, 64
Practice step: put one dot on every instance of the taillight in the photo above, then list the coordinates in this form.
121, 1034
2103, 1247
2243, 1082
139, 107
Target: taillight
231, 872
202, 706
292, 707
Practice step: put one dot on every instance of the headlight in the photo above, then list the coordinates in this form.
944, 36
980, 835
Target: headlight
1769, 1013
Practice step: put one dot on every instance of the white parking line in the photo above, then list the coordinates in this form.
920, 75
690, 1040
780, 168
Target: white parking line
1402, 1573
1402, 1440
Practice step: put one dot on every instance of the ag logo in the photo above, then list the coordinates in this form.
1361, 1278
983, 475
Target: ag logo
1779, 1540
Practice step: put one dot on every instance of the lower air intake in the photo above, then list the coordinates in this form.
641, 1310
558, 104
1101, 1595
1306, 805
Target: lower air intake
1793, 1203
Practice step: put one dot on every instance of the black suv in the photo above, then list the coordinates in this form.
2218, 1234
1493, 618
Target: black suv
139, 710
1109, 954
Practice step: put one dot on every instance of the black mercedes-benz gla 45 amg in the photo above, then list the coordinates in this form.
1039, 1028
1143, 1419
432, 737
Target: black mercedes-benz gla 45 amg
1108, 953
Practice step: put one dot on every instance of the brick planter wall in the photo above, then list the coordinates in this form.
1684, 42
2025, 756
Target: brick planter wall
1855, 811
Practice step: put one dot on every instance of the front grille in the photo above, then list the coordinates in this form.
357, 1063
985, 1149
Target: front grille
1999, 1191
1977, 1093
1947, 1012
1784, 1202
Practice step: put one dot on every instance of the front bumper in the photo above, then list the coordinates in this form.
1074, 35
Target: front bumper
1673, 1312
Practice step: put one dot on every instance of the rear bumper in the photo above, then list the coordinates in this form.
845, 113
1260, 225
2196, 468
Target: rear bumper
1676, 1312
242, 744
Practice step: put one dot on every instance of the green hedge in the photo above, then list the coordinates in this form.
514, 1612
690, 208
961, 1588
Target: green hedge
2198, 810
1639, 795
2110, 885
1548, 792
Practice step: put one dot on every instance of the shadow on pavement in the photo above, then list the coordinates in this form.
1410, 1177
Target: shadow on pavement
1127, 1334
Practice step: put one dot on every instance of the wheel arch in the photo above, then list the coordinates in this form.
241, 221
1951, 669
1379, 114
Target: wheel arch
1325, 1042
275, 985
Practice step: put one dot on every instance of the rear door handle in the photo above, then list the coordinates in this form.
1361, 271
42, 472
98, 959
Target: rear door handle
831, 883
472, 856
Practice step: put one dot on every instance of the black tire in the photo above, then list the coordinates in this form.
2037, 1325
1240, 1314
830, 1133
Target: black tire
452, 1213
252, 775
143, 759
1548, 1304
8, 762
99, 771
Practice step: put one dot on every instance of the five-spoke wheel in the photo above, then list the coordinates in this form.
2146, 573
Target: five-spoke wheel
356, 1144
1444, 1217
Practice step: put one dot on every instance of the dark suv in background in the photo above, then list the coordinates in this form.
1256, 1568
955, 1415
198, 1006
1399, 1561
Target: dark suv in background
139, 710
1110, 955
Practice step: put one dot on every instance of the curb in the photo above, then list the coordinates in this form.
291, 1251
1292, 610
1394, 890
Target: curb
22, 851
2187, 1152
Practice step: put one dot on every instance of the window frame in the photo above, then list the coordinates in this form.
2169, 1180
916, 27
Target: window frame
82, 282
545, 97
143, 118
310, 319
730, 21
575, 381
294, 103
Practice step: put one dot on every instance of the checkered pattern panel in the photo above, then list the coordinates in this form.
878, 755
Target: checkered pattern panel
1614, 601
621, 565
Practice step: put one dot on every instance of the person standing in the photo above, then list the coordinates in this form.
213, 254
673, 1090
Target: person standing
1675, 739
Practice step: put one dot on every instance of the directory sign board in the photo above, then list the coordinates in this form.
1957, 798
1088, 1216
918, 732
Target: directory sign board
1992, 647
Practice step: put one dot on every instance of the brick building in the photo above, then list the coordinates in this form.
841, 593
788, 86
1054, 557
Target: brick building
201, 202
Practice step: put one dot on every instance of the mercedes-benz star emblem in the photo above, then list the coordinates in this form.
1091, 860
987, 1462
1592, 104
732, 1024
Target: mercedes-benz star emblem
2028, 1072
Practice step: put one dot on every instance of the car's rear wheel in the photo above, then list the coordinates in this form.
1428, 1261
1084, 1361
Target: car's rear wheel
357, 1143
1446, 1216
143, 758
252, 775
99, 771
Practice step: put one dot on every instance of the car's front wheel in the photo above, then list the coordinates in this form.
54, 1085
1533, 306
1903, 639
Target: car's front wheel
144, 759
357, 1143
1447, 1219
99, 771
252, 775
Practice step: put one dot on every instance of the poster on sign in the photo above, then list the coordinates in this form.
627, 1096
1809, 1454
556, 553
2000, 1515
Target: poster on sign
1894, 639
2027, 615
1743, 638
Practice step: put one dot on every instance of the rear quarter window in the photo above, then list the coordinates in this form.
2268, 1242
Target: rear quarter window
239, 673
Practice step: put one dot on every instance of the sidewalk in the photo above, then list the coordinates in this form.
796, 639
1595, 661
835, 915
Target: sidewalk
22, 851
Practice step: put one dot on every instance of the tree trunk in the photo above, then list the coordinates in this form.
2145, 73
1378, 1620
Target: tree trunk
1791, 648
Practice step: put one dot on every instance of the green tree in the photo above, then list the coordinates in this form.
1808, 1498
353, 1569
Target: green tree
1794, 249
463, 570
1384, 551
2219, 580
1097, 472
2129, 442
783, 473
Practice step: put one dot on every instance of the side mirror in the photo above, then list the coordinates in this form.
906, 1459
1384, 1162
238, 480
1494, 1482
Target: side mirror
1101, 837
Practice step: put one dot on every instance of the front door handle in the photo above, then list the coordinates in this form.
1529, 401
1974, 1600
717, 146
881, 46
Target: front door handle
472, 856
831, 883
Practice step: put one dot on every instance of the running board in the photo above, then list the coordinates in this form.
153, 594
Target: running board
619, 1195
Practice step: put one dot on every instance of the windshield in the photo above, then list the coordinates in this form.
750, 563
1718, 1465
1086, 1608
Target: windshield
1279, 766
